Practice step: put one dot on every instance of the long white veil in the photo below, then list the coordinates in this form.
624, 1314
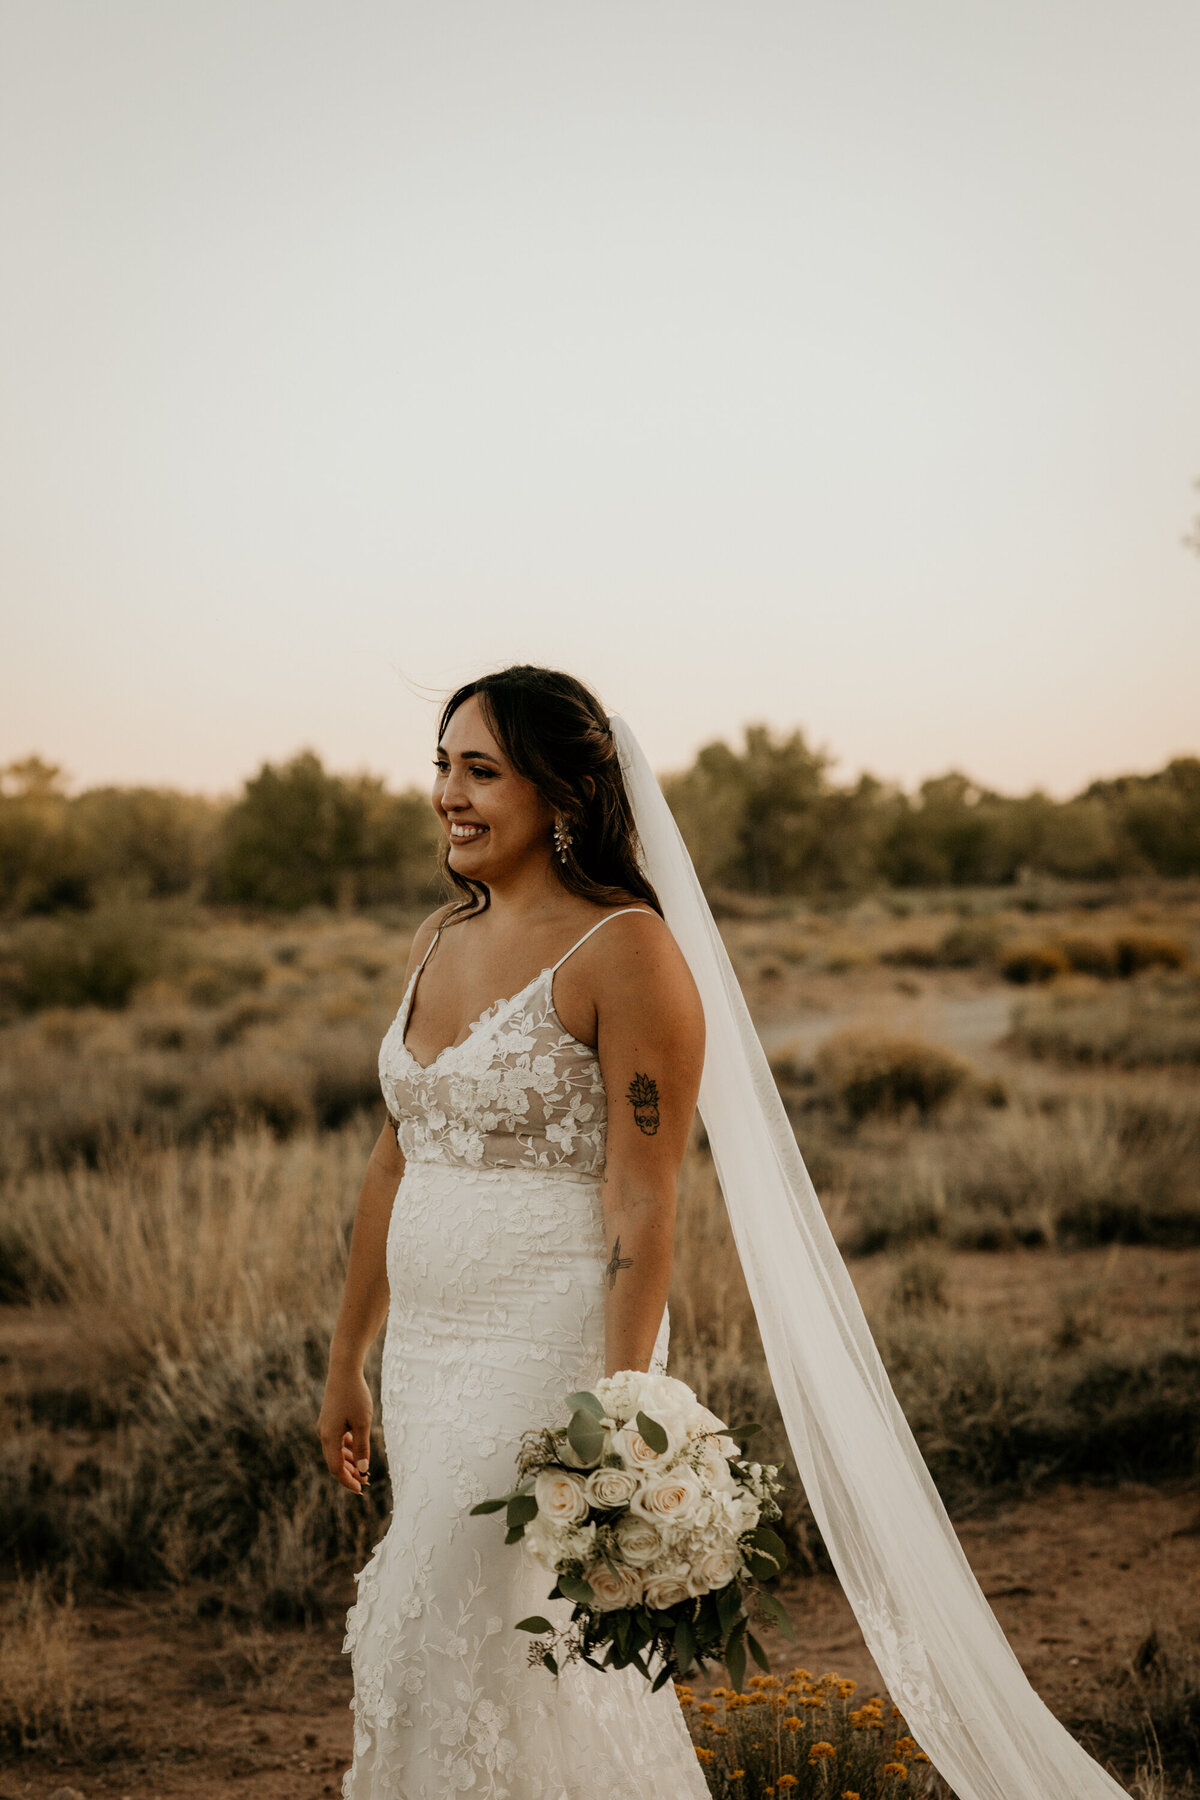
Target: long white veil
934, 1637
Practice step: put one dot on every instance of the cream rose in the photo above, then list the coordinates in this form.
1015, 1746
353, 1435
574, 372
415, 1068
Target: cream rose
560, 1496
613, 1591
666, 1588
713, 1568
638, 1540
636, 1453
611, 1487
668, 1499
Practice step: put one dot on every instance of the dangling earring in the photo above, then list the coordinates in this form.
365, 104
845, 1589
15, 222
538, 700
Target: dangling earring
562, 838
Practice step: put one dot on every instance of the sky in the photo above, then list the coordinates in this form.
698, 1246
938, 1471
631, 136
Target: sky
834, 366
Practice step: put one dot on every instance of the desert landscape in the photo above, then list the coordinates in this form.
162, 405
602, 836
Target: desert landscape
995, 1092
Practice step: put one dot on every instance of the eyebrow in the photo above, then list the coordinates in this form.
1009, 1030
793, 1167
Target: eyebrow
470, 755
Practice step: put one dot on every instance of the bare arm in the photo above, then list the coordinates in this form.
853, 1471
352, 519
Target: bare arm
650, 1044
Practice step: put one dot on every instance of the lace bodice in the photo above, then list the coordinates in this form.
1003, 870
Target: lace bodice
518, 1092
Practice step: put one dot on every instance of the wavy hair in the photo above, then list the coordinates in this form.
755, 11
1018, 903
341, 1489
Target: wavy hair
555, 733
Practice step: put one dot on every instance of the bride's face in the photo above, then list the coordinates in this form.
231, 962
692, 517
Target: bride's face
493, 817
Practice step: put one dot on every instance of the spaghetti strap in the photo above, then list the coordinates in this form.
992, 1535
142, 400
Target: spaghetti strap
599, 922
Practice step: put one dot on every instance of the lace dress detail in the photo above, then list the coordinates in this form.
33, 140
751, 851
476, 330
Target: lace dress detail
495, 1261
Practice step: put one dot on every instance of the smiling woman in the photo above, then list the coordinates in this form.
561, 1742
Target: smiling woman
516, 1229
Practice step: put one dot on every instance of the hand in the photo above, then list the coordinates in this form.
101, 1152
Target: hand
344, 1428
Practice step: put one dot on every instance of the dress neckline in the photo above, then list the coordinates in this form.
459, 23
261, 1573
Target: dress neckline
497, 1007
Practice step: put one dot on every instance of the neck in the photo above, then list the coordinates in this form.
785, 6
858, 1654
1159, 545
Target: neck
529, 892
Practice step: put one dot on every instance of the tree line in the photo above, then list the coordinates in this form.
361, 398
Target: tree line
765, 818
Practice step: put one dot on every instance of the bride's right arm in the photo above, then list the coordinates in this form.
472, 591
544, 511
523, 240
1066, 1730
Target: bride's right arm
344, 1426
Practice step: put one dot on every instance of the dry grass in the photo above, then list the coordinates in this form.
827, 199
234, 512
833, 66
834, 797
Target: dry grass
157, 1248
1151, 1023
42, 1687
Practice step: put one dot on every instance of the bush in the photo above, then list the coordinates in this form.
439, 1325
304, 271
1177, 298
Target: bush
1150, 1024
870, 1073
85, 959
971, 945
1138, 950
1028, 963
1090, 955
40, 1666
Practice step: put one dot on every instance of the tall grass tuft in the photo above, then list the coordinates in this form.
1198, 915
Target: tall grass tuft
41, 1666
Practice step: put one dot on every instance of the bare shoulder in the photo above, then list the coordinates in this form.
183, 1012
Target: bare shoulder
638, 966
426, 931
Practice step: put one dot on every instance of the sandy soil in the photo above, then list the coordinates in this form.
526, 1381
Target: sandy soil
185, 1708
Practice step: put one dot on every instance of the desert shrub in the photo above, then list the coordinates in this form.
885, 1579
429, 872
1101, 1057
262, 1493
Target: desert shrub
82, 959
872, 1073
973, 944
41, 1665
919, 1283
1138, 950
1149, 1708
1151, 1023
1089, 955
1028, 963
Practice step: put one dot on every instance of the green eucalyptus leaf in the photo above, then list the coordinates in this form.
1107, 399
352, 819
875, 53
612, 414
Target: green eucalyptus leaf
488, 1506
577, 1589
661, 1679
653, 1432
513, 1533
521, 1509
778, 1612
685, 1646
758, 1653
729, 1605
735, 1655
551, 1664
586, 1400
585, 1435
535, 1622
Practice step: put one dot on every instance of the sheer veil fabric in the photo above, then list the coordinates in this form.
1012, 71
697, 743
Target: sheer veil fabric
934, 1637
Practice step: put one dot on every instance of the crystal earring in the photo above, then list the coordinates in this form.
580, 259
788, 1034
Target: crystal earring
562, 838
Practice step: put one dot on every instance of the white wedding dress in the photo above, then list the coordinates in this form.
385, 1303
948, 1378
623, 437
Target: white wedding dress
496, 1266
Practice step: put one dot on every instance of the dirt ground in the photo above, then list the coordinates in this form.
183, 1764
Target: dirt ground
184, 1708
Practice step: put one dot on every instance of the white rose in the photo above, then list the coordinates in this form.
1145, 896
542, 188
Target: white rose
668, 1499
611, 1487
715, 1470
560, 1496
713, 1568
666, 1588
613, 1591
636, 1453
638, 1540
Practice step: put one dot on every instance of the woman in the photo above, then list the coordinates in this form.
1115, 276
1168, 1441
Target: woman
522, 1265
515, 1229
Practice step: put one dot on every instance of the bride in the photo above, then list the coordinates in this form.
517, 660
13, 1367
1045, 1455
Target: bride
515, 1231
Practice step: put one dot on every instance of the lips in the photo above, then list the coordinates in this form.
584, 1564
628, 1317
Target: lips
467, 834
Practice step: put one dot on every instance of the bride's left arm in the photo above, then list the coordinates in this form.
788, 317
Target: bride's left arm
650, 1046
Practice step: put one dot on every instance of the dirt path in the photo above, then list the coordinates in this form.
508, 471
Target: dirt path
187, 1709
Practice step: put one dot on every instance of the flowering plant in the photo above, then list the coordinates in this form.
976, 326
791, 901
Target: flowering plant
651, 1519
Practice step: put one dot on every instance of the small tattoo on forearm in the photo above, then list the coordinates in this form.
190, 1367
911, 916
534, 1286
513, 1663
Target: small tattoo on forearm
642, 1093
616, 1263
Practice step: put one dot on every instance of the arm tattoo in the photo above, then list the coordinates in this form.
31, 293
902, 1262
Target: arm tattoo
616, 1263
642, 1093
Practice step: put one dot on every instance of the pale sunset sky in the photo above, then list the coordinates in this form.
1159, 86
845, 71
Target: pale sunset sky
831, 365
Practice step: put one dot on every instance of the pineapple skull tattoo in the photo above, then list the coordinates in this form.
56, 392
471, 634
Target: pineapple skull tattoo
642, 1093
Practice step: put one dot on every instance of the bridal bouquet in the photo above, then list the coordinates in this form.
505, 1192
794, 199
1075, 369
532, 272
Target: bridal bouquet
651, 1519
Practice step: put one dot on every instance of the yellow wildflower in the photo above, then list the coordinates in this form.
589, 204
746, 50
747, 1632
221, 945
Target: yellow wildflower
707, 1707
905, 1746
736, 1774
779, 1702
793, 1724
821, 1751
799, 1675
719, 1730
846, 1688
896, 1769
812, 1700
919, 1756
757, 1681
849, 1794
788, 1781
705, 1756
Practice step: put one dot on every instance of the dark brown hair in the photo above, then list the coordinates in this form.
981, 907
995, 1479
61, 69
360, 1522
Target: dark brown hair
555, 733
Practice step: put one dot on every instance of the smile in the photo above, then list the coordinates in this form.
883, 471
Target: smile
462, 834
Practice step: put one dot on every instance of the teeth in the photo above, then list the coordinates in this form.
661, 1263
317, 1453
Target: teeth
463, 832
